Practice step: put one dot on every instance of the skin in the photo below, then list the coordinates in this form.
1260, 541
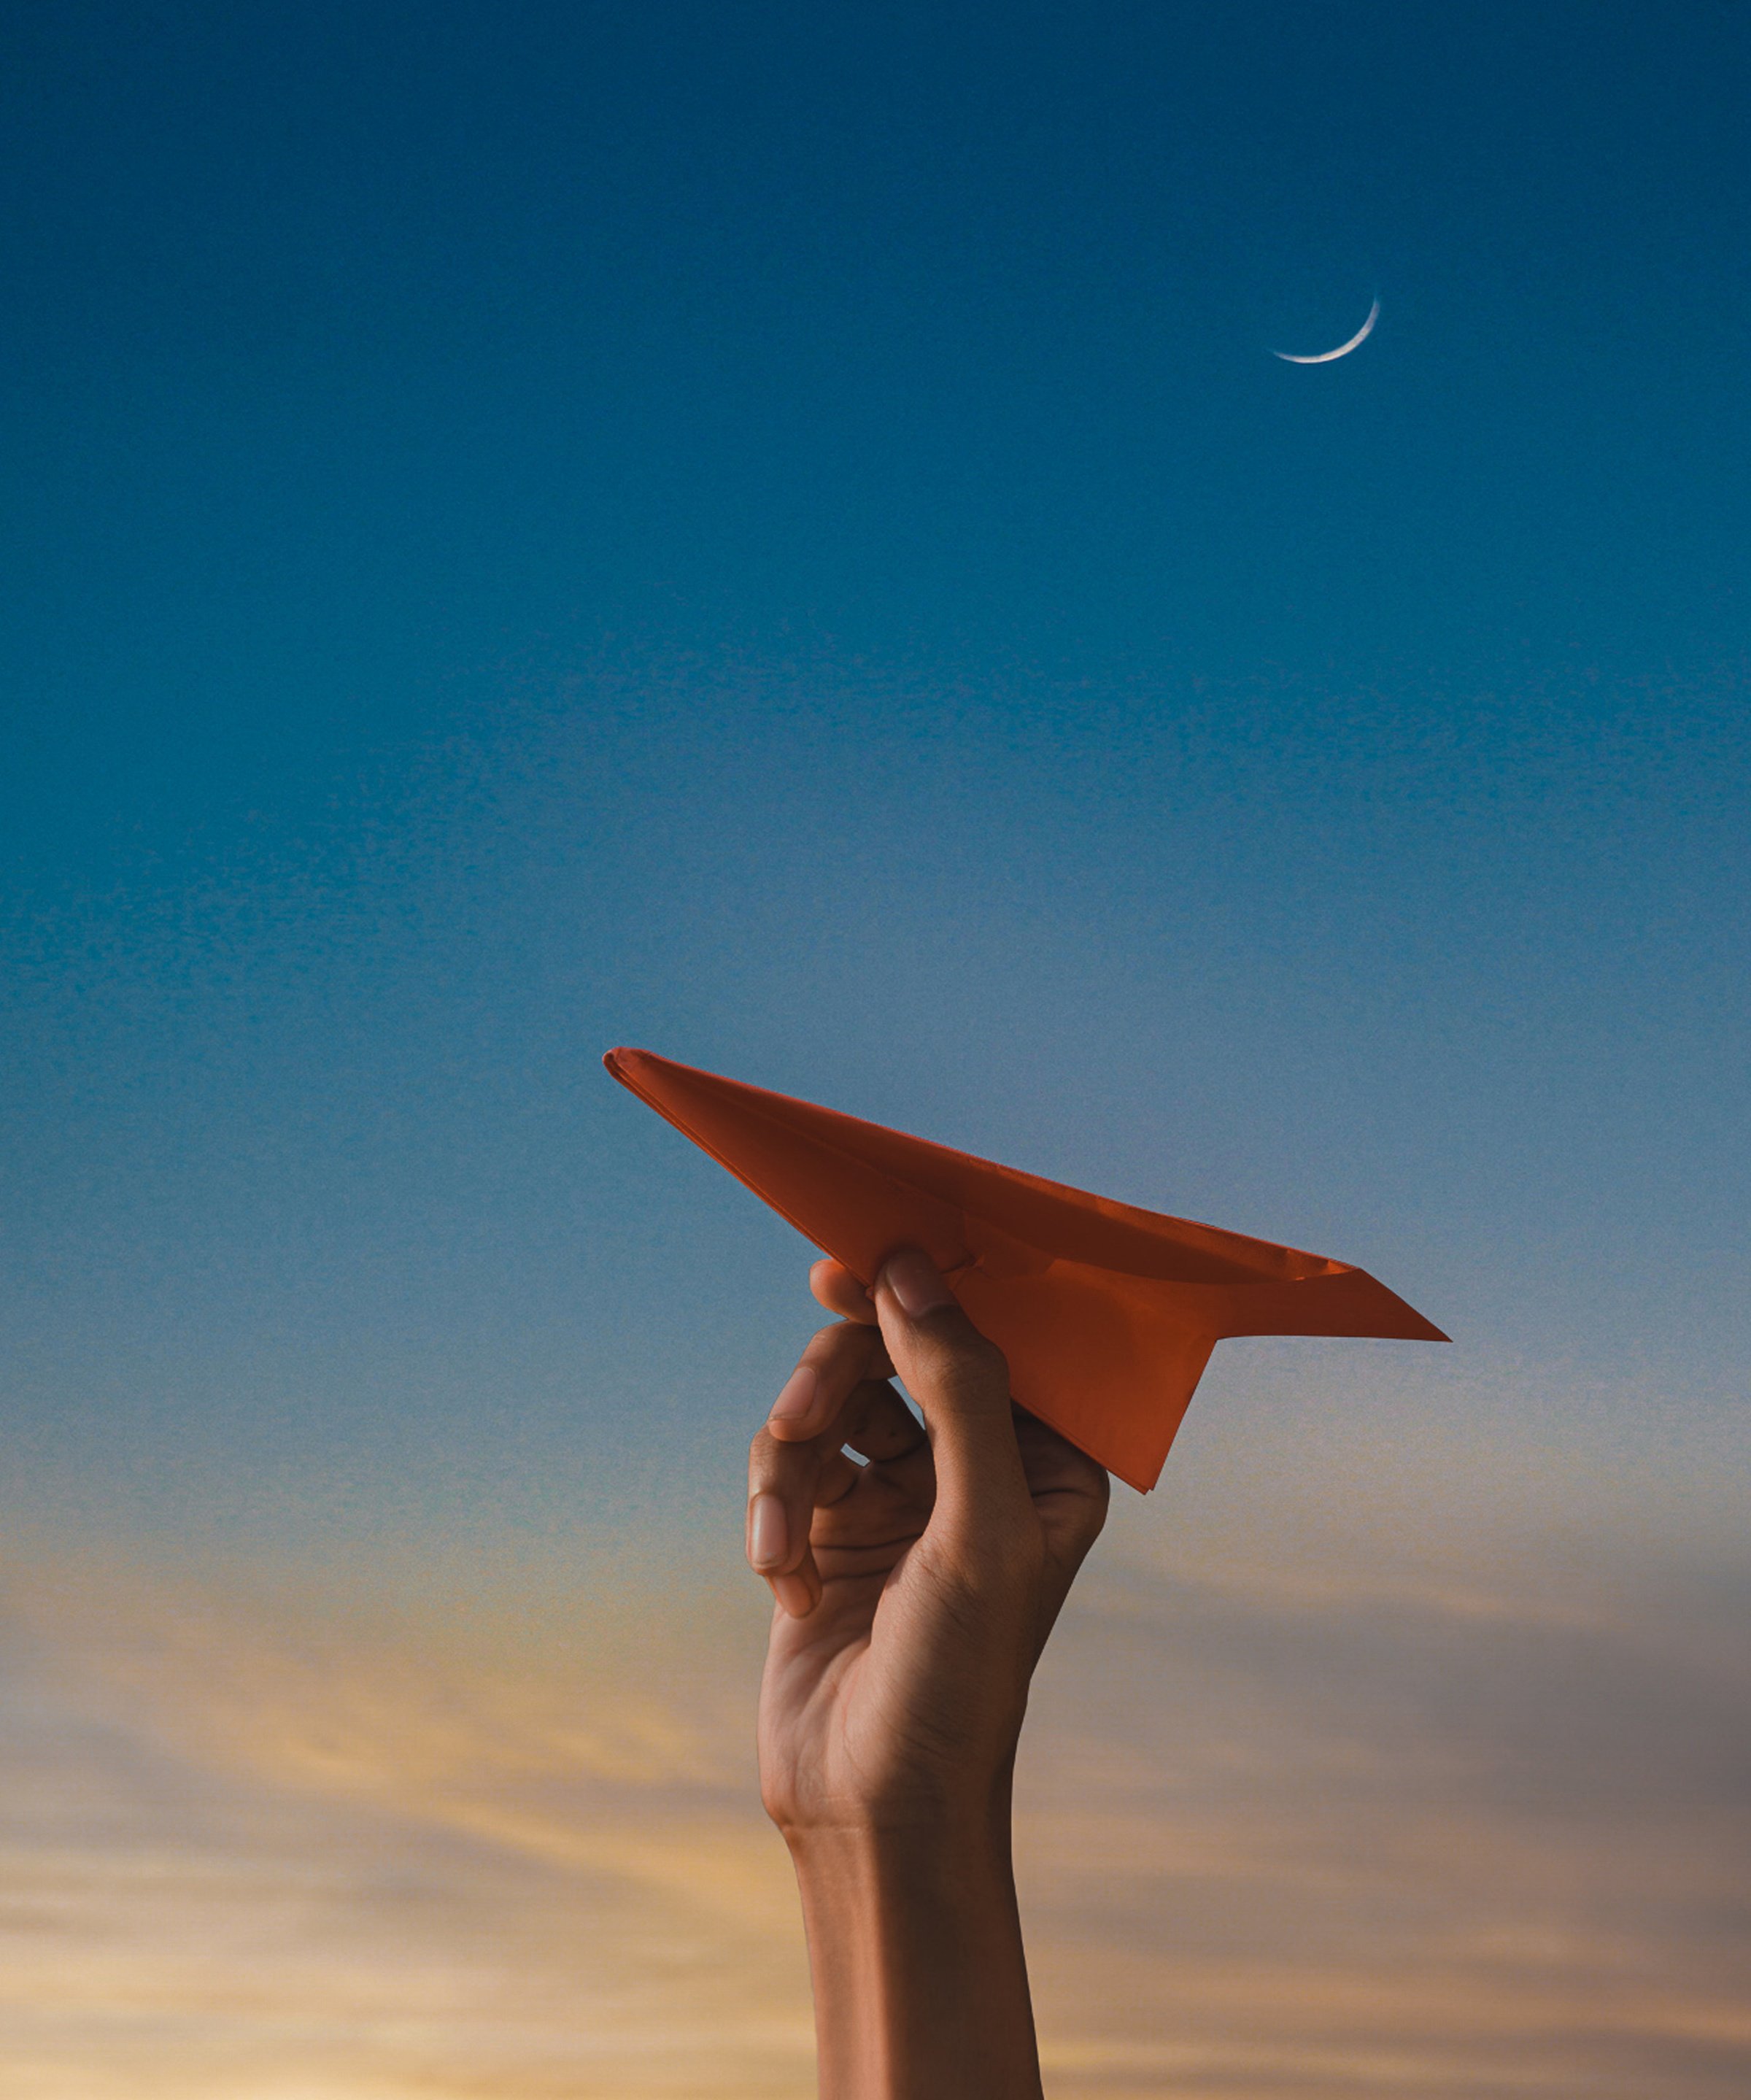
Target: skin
913, 1596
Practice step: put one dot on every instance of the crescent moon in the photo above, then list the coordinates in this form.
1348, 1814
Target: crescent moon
1343, 349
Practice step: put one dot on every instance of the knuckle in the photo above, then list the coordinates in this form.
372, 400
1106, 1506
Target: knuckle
979, 1350
840, 1335
965, 1360
766, 1458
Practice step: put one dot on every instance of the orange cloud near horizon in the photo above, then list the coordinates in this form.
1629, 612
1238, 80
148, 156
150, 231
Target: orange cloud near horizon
1280, 1834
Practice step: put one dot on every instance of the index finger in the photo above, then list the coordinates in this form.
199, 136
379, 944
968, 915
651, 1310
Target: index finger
840, 1291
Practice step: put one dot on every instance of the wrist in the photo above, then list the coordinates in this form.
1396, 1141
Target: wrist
965, 1811
915, 1945
867, 1862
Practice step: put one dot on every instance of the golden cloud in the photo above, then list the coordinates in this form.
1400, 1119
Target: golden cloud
1281, 1832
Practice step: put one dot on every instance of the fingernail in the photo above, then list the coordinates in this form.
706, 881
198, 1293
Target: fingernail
912, 1278
768, 1536
797, 1395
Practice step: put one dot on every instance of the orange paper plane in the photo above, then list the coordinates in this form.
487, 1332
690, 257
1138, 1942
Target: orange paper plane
1107, 1314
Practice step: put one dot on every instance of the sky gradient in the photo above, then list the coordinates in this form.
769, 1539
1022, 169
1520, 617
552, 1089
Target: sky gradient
776, 535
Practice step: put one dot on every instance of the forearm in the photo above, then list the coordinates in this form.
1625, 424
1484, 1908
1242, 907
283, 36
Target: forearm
914, 1943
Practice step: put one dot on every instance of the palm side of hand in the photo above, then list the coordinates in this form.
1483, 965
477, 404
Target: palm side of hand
909, 1624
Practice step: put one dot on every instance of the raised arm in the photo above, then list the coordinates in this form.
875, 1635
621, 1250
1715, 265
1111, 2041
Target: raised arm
913, 1595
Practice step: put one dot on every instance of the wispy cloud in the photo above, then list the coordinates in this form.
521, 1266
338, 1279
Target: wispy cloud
1329, 1838
1284, 1831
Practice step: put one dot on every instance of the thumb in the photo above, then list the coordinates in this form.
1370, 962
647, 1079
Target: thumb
961, 1381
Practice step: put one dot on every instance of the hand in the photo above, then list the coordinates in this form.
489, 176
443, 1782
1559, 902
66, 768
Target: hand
913, 1594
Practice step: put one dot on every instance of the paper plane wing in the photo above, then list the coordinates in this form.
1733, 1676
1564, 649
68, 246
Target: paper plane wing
1107, 1314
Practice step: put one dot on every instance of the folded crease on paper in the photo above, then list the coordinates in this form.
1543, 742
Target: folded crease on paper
1106, 1313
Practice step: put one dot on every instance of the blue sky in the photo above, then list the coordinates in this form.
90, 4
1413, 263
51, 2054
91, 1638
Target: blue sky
776, 534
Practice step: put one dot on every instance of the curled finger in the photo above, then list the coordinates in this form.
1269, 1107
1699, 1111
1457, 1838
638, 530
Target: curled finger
782, 1483
835, 1361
